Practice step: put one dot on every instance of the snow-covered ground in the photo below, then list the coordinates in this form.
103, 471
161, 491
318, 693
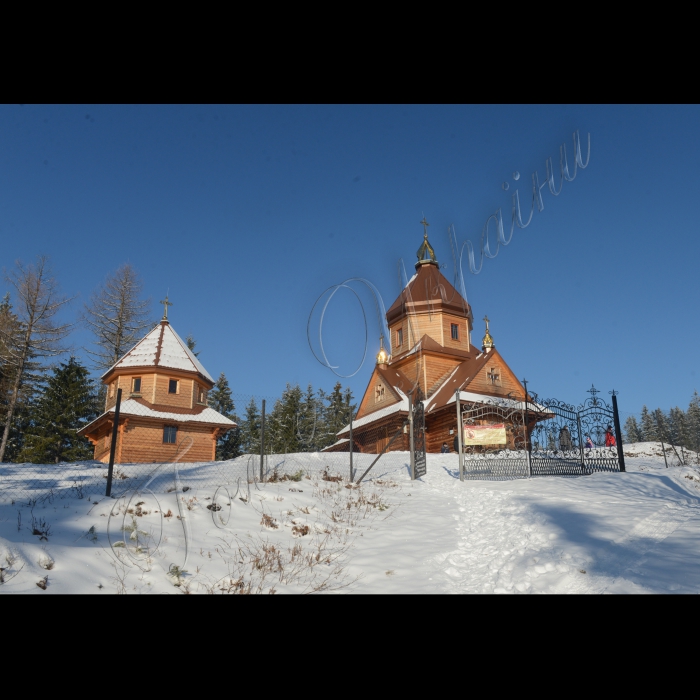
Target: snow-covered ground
637, 532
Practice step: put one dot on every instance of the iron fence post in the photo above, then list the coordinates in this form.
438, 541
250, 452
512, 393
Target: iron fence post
459, 436
618, 432
113, 446
352, 473
580, 443
528, 446
411, 445
262, 439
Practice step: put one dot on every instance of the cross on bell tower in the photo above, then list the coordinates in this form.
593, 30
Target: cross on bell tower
166, 304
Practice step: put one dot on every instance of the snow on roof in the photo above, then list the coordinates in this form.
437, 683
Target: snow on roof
484, 398
381, 413
174, 353
134, 408
171, 351
342, 441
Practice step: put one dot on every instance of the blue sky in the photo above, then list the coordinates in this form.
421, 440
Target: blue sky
246, 214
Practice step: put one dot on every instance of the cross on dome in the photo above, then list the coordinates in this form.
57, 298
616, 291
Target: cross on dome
425, 253
487, 342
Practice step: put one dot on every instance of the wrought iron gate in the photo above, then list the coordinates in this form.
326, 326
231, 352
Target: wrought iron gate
541, 437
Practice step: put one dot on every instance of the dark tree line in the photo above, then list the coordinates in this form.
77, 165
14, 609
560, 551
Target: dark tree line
675, 427
299, 421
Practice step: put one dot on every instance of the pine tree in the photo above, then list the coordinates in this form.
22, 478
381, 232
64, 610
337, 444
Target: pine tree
191, 344
250, 429
308, 421
677, 428
336, 414
228, 446
648, 426
284, 436
633, 432
693, 422
66, 405
661, 424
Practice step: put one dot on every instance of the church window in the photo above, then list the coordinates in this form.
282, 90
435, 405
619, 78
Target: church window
111, 389
172, 386
378, 392
494, 376
136, 385
202, 395
399, 337
170, 434
455, 331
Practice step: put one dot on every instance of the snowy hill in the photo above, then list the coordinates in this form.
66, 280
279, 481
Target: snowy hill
310, 530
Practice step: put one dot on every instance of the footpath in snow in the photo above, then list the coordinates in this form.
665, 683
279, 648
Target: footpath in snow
308, 530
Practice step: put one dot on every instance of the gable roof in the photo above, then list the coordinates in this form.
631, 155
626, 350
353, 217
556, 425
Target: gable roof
462, 376
162, 347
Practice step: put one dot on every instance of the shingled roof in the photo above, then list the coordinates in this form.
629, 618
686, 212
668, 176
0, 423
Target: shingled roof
428, 286
162, 347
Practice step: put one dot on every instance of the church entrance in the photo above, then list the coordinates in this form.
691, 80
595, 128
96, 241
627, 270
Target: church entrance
508, 439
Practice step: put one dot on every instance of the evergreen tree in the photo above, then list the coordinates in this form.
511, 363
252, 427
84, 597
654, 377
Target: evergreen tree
648, 426
678, 433
66, 405
693, 422
191, 344
337, 413
633, 432
661, 424
228, 446
250, 429
309, 421
32, 335
284, 435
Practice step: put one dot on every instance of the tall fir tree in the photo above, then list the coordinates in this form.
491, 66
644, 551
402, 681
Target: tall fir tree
309, 421
336, 414
228, 446
661, 424
648, 426
633, 432
283, 431
677, 428
250, 428
66, 405
693, 422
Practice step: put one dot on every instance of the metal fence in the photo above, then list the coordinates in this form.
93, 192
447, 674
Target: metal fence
266, 445
542, 437
270, 444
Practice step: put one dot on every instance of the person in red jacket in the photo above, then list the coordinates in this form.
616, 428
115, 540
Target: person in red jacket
609, 437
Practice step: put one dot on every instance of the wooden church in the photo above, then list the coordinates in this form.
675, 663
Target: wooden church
164, 413
431, 357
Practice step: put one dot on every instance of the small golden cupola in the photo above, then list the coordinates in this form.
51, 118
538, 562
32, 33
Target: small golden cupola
382, 356
426, 254
487, 343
